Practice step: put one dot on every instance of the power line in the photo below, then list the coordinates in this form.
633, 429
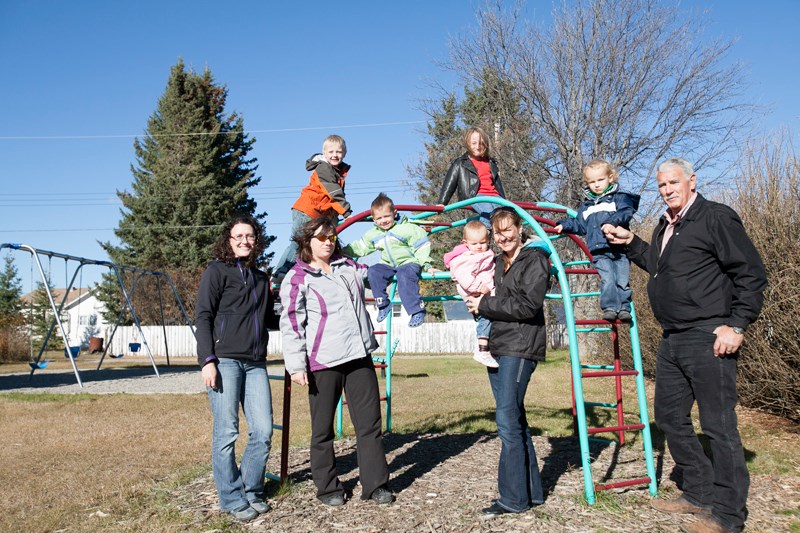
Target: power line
358, 186
259, 189
26, 203
142, 228
201, 133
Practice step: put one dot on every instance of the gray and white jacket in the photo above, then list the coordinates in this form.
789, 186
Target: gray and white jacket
324, 322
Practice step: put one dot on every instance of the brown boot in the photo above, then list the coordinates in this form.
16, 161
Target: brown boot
705, 525
679, 505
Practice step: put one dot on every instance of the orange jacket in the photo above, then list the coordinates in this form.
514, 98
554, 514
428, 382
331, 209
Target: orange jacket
324, 193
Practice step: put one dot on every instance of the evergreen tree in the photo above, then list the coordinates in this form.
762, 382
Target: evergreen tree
10, 292
41, 318
192, 174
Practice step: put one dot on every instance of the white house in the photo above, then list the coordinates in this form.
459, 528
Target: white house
82, 314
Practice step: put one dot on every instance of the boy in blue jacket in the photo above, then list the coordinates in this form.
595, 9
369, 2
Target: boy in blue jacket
605, 205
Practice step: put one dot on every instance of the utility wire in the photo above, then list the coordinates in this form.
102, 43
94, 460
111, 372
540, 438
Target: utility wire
53, 202
201, 133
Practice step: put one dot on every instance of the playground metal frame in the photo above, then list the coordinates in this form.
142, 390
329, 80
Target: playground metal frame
561, 271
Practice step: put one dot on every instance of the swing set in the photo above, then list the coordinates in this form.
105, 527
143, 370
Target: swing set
72, 351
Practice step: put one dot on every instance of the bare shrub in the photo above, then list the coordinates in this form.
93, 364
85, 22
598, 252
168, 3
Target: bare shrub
767, 197
148, 302
13, 342
151, 294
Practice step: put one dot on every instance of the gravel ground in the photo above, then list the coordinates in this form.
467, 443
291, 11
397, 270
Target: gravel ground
174, 379
441, 481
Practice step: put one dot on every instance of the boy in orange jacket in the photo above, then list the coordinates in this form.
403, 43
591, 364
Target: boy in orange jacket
323, 196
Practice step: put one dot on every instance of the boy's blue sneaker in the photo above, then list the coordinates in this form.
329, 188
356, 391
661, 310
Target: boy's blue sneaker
383, 312
416, 319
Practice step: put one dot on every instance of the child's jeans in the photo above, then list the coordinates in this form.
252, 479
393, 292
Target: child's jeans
287, 260
380, 275
485, 210
483, 326
615, 271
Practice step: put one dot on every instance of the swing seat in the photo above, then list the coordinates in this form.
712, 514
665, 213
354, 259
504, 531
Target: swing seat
120, 356
134, 346
40, 365
76, 351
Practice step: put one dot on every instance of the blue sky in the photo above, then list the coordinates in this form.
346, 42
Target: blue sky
80, 80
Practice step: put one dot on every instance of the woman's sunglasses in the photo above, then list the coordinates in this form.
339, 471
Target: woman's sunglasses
323, 238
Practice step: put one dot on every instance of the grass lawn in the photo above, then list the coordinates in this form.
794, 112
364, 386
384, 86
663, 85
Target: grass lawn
66, 457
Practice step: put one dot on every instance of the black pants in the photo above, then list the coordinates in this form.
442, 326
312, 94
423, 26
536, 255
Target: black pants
360, 385
687, 371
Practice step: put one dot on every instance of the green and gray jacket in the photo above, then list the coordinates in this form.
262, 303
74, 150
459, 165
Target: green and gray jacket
403, 243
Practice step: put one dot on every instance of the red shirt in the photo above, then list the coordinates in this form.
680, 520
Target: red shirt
486, 187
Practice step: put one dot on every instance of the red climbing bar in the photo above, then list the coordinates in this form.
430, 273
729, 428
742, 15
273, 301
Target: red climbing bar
611, 429
626, 483
610, 373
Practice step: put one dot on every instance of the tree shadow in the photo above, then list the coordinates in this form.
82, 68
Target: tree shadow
44, 379
425, 451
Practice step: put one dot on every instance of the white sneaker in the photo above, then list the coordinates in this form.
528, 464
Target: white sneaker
486, 359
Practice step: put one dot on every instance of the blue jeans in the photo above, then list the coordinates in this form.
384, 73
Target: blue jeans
246, 383
287, 260
686, 372
615, 273
380, 275
518, 479
483, 326
485, 210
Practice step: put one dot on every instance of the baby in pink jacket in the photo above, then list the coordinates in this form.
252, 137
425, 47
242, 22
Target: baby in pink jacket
471, 265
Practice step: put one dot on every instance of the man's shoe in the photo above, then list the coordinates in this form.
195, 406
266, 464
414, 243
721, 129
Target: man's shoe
245, 514
624, 316
679, 505
260, 506
334, 500
382, 496
494, 511
416, 319
609, 314
383, 312
705, 525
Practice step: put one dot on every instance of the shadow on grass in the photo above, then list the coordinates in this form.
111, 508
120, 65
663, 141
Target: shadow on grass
44, 379
440, 440
676, 475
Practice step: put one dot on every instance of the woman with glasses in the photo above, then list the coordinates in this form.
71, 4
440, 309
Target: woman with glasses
517, 341
327, 345
234, 309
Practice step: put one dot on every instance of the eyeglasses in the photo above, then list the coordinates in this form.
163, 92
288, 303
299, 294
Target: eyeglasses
322, 238
239, 238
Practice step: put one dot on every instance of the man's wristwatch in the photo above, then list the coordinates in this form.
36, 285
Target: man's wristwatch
738, 330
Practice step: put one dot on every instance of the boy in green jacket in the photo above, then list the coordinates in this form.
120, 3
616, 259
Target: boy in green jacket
405, 252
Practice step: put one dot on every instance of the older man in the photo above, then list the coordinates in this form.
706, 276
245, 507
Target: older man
705, 288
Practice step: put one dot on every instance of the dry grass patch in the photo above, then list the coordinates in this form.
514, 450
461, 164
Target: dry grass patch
66, 457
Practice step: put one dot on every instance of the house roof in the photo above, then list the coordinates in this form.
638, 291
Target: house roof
74, 298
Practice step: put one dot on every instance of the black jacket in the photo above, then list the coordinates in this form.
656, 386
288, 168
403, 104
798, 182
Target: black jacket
709, 274
234, 309
516, 310
463, 175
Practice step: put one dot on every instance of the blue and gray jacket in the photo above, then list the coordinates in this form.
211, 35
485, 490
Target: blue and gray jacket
613, 207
